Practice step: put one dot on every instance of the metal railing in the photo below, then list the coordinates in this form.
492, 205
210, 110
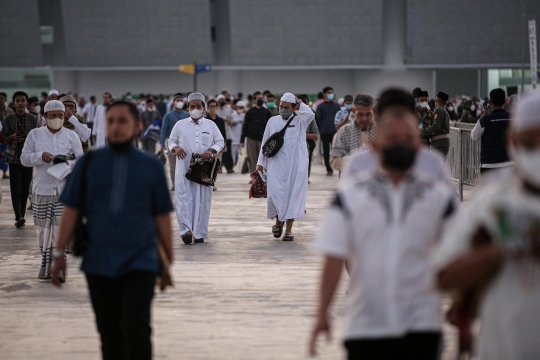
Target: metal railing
464, 156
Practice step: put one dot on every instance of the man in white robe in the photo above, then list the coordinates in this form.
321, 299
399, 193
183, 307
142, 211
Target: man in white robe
42, 145
287, 171
98, 130
195, 134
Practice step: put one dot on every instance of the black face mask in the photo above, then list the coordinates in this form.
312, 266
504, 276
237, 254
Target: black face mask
399, 158
121, 147
260, 102
222, 104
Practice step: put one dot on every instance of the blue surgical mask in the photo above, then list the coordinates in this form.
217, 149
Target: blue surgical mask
348, 106
330, 96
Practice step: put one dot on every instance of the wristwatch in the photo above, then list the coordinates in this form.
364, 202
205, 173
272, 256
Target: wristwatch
212, 150
58, 254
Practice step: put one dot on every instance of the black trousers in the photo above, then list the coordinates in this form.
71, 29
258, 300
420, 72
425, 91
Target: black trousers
91, 126
326, 140
414, 345
227, 157
122, 308
20, 178
309, 164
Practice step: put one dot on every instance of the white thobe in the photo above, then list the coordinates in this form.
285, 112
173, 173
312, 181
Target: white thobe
236, 130
81, 129
193, 200
99, 126
287, 171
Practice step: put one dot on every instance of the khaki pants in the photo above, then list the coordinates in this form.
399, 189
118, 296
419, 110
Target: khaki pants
172, 166
253, 148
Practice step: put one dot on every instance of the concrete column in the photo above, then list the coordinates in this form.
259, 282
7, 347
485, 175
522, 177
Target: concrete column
394, 32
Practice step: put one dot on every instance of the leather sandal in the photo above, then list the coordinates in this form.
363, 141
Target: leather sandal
277, 230
288, 237
187, 238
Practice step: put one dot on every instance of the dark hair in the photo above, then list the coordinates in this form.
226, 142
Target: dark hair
320, 96
267, 92
270, 95
133, 110
256, 93
108, 93
395, 97
3, 93
363, 100
92, 97
149, 100
211, 101
20, 93
416, 92
304, 98
235, 101
497, 96
327, 89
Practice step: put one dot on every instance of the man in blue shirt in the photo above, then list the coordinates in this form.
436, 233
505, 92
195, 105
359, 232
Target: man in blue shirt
325, 116
127, 207
167, 125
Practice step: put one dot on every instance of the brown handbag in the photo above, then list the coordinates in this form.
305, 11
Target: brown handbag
258, 186
203, 172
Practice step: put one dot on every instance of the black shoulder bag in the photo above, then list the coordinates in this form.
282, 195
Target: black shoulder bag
275, 142
80, 235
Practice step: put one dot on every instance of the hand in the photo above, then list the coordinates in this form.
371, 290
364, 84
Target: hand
14, 137
321, 326
242, 145
163, 148
69, 113
207, 155
180, 153
59, 264
47, 157
260, 168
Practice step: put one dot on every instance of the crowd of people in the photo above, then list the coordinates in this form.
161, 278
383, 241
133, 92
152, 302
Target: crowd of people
395, 224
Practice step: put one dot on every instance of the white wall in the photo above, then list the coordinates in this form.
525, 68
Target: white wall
374, 81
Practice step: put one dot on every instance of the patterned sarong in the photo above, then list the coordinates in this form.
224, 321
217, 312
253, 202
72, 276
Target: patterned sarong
47, 211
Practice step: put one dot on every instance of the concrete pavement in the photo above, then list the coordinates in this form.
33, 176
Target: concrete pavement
242, 295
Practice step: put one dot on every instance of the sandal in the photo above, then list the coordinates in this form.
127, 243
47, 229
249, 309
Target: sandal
20, 222
199, 241
288, 237
61, 277
187, 238
277, 230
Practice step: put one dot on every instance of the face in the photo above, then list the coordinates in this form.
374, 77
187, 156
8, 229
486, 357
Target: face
53, 97
177, 100
121, 127
20, 103
287, 106
2, 100
363, 116
32, 106
150, 105
240, 109
271, 99
328, 93
195, 105
106, 98
423, 99
57, 114
71, 106
396, 127
347, 103
258, 97
527, 140
212, 107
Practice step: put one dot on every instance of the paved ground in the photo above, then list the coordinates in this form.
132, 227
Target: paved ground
242, 295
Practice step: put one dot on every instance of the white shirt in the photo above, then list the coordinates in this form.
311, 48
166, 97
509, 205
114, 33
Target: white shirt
42, 140
509, 309
88, 111
99, 126
195, 138
428, 163
236, 130
226, 114
387, 234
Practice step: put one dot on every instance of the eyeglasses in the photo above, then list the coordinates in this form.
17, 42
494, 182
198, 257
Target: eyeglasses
72, 107
212, 106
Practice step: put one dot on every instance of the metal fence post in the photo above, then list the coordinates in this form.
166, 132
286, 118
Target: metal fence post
460, 165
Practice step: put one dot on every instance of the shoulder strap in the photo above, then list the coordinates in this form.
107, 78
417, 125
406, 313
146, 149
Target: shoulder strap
287, 125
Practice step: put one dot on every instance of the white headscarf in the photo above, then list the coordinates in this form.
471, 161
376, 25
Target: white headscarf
288, 97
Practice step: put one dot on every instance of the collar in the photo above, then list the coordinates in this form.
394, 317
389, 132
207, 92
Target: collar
198, 121
50, 132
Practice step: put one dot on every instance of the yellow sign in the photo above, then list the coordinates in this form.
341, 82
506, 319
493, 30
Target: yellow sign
187, 68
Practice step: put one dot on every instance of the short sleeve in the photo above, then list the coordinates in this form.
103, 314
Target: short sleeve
161, 197
71, 196
482, 121
334, 236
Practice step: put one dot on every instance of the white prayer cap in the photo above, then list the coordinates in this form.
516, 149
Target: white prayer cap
527, 114
288, 97
196, 96
220, 97
54, 105
53, 92
241, 104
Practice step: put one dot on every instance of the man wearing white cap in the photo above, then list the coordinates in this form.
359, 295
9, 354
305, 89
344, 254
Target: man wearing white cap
287, 171
46, 149
494, 253
98, 130
53, 95
195, 134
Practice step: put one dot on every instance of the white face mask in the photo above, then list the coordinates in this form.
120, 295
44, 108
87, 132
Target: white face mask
528, 164
424, 105
55, 124
473, 107
179, 105
450, 108
196, 114
37, 109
